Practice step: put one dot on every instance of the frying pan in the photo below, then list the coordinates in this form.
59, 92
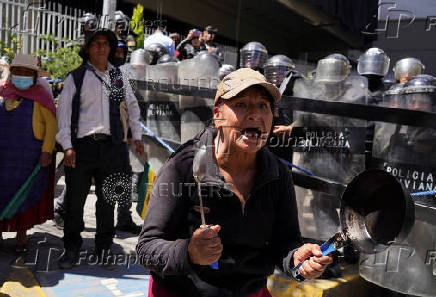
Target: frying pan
376, 211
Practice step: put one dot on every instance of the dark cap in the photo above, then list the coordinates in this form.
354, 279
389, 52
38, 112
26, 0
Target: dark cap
211, 29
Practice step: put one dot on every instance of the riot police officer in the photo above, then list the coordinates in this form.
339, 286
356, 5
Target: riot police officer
374, 65
167, 59
122, 25
280, 71
407, 68
408, 153
327, 148
277, 68
156, 51
253, 55
88, 25
225, 69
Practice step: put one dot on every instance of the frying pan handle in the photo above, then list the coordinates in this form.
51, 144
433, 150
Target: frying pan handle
326, 248
214, 265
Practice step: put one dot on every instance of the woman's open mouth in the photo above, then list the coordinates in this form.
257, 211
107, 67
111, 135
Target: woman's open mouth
252, 134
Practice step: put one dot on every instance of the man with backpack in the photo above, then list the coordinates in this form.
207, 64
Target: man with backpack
91, 132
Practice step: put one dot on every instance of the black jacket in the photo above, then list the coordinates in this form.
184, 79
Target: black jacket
255, 239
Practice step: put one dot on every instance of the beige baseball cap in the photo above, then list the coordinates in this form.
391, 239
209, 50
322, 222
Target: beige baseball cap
27, 61
241, 79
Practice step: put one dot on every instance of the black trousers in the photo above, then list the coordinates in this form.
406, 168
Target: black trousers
103, 161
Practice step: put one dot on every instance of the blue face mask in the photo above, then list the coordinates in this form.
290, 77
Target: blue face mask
22, 82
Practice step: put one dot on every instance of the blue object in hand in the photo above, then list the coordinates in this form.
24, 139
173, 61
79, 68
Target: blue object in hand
214, 265
335, 242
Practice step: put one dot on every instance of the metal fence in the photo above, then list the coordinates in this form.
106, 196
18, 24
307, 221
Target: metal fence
30, 20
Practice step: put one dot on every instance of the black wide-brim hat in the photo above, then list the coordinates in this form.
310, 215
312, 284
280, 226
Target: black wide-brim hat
111, 37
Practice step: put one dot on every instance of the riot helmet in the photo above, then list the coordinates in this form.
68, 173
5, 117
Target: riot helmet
334, 68
373, 62
167, 58
88, 25
140, 57
253, 55
419, 93
277, 67
122, 23
205, 54
156, 50
206, 58
392, 98
407, 68
226, 69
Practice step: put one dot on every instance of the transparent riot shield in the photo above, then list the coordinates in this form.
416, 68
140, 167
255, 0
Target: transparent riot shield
331, 147
134, 72
199, 72
409, 154
163, 116
161, 113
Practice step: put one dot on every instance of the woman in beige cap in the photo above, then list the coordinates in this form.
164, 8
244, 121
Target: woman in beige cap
247, 199
27, 140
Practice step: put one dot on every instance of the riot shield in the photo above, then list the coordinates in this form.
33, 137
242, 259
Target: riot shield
162, 113
199, 72
331, 147
409, 154
134, 72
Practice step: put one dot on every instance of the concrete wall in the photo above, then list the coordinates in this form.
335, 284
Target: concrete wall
408, 29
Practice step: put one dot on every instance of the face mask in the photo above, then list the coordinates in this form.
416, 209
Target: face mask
22, 82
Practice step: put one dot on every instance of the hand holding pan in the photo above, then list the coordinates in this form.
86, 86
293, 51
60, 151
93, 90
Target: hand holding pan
199, 171
376, 211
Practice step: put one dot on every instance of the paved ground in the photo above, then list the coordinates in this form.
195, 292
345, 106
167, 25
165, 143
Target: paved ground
38, 265
35, 273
